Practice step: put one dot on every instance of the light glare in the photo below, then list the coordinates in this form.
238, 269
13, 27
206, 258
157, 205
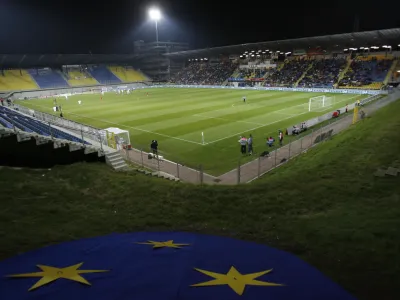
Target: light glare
155, 14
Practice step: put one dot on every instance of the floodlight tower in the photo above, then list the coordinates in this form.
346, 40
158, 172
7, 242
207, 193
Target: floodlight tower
155, 15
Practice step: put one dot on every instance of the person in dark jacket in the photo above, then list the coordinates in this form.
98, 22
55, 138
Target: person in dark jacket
154, 146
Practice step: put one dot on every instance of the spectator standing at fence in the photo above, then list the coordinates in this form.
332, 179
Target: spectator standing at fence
250, 143
243, 142
154, 147
280, 137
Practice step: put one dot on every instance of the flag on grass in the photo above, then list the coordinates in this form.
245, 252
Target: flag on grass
154, 266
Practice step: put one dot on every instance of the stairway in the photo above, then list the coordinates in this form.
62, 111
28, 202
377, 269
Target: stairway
346, 68
303, 75
116, 161
391, 70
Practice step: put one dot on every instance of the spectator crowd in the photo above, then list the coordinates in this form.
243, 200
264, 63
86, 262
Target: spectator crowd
289, 74
324, 73
319, 73
200, 73
366, 72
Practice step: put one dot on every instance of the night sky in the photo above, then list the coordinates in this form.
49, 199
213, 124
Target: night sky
111, 26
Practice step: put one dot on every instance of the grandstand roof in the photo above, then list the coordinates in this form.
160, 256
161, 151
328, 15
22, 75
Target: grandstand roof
46, 60
331, 42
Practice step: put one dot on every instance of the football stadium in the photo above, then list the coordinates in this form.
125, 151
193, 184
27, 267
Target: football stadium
264, 170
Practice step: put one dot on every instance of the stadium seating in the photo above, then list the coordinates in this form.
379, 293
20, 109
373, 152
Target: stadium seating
366, 73
324, 73
250, 74
290, 73
205, 73
127, 74
103, 75
77, 77
10, 118
12, 80
48, 78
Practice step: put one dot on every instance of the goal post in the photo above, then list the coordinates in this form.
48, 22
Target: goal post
316, 103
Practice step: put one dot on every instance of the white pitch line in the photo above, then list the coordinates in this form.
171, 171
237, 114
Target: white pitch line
208, 117
135, 128
285, 114
227, 137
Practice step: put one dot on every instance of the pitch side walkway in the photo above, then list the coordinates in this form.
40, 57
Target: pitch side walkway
261, 165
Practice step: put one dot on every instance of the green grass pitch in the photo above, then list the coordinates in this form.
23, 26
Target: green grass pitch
176, 117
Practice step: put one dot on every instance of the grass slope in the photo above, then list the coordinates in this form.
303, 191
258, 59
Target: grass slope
177, 117
325, 206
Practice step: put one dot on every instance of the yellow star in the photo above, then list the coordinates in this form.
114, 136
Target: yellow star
235, 280
168, 244
51, 274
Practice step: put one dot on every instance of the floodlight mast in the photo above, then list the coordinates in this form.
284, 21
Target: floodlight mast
155, 15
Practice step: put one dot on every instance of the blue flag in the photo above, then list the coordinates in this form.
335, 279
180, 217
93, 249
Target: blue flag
167, 265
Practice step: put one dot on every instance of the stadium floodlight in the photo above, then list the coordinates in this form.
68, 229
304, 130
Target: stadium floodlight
252, 55
287, 53
155, 15
345, 49
361, 48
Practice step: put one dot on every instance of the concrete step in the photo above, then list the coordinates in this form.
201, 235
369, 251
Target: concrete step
74, 147
89, 150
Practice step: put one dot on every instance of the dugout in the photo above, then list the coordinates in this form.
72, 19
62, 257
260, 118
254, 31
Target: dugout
118, 139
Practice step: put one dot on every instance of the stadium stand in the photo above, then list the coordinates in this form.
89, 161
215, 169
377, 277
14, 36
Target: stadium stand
366, 73
250, 74
103, 75
79, 77
205, 73
290, 73
324, 73
127, 74
11, 80
10, 118
47, 78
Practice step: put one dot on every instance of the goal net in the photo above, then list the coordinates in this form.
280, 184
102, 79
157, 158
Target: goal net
319, 102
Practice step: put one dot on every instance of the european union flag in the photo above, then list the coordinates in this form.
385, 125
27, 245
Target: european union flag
166, 265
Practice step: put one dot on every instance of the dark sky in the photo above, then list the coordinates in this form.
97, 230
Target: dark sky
110, 26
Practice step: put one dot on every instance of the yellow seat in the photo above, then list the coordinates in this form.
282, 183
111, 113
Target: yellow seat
127, 74
77, 78
16, 80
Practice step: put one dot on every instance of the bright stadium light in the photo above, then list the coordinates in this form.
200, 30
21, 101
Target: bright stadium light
155, 15
345, 49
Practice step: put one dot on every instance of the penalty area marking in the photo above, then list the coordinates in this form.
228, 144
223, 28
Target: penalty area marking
208, 117
135, 128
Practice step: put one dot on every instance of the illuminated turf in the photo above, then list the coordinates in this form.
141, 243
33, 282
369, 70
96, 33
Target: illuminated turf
177, 117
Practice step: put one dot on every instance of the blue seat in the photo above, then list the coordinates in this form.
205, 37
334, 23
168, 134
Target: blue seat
11, 118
